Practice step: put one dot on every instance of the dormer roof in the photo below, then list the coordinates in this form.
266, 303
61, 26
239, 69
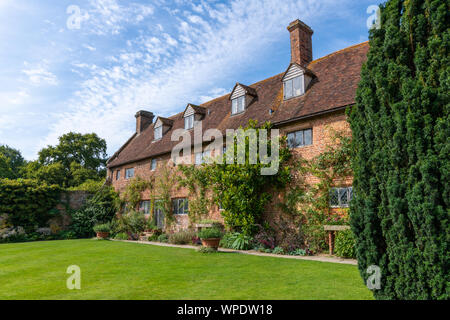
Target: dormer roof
241, 89
295, 70
193, 109
163, 121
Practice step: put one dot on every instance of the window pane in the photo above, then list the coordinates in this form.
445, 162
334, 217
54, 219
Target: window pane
307, 137
153, 166
234, 106
291, 140
175, 206
334, 197
186, 206
288, 89
298, 88
158, 133
199, 158
241, 104
299, 138
343, 197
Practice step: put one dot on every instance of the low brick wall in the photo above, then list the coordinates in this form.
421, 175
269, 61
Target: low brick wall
70, 200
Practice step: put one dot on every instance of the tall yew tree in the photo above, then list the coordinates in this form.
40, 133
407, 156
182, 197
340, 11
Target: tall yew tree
401, 152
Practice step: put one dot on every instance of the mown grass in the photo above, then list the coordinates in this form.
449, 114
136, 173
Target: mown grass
117, 270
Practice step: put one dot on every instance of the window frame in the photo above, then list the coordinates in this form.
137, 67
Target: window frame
149, 202
303, 143
158, 133
127, 176
189, 122
294, 93
237, 100
184, 207
340, 203
118, 175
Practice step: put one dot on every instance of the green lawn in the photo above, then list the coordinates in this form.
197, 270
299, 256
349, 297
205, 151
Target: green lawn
117, 270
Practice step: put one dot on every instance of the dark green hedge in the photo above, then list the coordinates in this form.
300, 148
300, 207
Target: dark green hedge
28, 203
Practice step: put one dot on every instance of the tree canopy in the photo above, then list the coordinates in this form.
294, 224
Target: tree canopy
11, 161
401, 148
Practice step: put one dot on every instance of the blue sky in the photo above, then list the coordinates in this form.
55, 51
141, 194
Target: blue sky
89, 65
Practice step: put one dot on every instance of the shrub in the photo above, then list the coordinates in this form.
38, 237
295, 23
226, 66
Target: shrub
28, 203
298, 252
121, 236
182, 237
210, 233
344, 244
207, 250
278, 250
237, 241
163, 238
105, 227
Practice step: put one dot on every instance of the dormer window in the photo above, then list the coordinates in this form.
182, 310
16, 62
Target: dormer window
295, 81
238, 105
189, 122
158, 132
293, 87
241, 98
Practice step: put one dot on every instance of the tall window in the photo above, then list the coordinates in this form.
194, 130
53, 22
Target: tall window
238, 105
341, 197
189, 122
299, 138
180, 206
293, 87
158, 132
118, 175
129, 173
154, 164
201, 156
144, 207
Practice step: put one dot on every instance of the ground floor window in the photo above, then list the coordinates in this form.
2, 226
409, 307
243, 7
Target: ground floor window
144, 206
159, 214
341, 197
180, 206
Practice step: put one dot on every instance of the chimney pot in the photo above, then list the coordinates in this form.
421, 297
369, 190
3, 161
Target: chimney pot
301, 42
143, 120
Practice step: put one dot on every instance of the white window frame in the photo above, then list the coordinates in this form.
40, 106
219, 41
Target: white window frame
127, 175
189, 122
145, 206
302, 133
238, 105
158, 133
295, 92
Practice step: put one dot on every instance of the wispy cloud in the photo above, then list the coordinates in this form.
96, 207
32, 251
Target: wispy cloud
39, 75
162, 72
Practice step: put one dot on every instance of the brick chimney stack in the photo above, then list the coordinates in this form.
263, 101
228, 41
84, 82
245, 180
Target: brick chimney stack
301, 42
143, 120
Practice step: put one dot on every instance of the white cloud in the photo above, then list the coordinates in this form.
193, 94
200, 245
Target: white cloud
162, 72
38, 75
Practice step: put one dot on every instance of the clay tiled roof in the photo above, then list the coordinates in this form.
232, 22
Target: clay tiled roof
336, 78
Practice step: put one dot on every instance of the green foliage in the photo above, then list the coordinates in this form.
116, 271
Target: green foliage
241, 188
11, 162
99, 208
76, 159
298, 252
132, 223
278, 250
210, 233
27, 203
121, 236
131, 196
344, 244
207, 250
308, 205
182, 237
163, 238
401, 152
104, 227
236, 241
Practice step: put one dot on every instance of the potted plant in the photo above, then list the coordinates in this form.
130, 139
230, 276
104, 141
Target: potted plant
210, 237
102, 230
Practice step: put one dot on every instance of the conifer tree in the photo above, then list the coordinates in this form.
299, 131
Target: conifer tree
401, 152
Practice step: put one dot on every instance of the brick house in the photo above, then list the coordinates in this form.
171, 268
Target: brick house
302, 101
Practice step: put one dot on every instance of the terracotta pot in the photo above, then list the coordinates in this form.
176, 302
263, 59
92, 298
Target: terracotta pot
102, 235
211, 243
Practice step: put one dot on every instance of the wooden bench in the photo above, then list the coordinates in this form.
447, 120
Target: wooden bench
331, 234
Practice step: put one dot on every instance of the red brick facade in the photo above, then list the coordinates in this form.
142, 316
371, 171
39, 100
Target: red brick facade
321, 108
